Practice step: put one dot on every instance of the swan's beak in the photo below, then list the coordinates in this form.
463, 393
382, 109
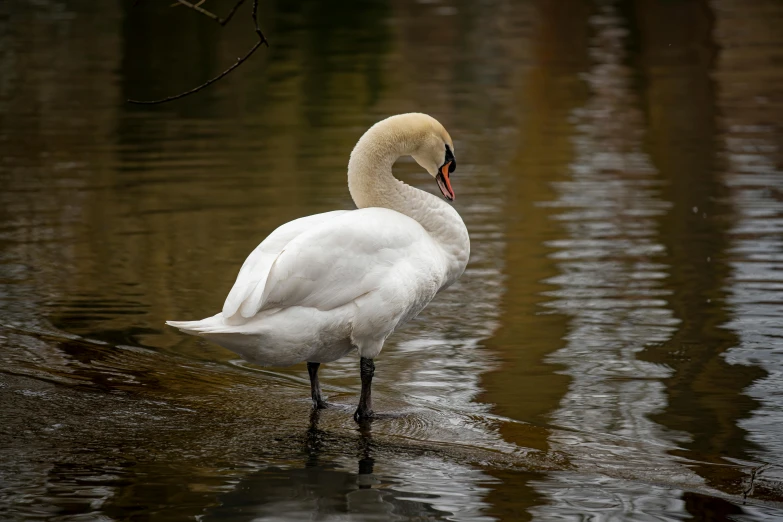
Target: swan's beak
443, 181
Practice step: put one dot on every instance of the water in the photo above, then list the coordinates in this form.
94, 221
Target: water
613, 351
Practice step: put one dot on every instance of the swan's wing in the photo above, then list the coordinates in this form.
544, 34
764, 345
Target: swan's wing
246, 294
347, 257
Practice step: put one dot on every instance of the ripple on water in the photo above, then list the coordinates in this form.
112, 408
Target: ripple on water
756, 285
610, 286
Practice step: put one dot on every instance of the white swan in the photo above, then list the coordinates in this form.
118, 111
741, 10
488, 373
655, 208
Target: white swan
322, 285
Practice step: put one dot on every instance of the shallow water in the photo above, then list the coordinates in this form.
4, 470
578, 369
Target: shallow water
614, 350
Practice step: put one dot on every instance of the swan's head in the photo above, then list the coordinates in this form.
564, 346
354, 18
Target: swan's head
422, 137
414, 134
434, 151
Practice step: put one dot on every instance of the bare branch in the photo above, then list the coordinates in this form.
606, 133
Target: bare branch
231, 13
197, 7
254, 14
261, 41
203, 85
755, 472
201, 10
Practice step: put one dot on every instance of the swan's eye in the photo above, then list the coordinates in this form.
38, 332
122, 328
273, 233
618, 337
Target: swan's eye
450, 159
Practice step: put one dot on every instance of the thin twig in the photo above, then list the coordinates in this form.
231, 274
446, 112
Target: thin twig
231, 13
753, 474
261, 41
197, 7
201, 10
203, 85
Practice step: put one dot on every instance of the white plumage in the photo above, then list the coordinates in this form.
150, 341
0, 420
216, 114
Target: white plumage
322, 285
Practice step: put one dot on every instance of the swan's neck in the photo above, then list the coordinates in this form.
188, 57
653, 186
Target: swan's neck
372, 184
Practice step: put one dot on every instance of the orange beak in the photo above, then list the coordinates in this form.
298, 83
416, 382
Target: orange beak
444, 183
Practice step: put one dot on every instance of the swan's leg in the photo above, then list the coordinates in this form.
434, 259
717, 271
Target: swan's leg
315, 386
364, 411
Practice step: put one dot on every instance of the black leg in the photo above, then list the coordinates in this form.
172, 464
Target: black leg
364, 411
315, 386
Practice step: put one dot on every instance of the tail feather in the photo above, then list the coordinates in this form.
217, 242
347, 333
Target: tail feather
236, 338
208, 325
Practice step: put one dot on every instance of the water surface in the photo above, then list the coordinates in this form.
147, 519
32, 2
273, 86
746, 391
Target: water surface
613, 352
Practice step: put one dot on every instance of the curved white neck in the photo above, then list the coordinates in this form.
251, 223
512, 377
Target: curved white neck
372, 184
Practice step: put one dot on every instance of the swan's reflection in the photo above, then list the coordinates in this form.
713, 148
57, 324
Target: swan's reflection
366, 480
374, 483
314, 448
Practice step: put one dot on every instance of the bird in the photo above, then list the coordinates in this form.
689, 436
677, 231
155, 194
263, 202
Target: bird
321, 286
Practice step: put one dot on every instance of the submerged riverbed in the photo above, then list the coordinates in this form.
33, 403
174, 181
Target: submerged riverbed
614, 350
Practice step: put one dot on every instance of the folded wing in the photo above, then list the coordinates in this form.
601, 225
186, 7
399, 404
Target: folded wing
244, 299
344, 258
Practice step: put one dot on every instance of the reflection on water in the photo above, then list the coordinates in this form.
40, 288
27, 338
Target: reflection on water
750, 139
613, 350
612, 284
346, 490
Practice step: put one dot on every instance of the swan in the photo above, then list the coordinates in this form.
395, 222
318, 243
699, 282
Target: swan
321, 286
